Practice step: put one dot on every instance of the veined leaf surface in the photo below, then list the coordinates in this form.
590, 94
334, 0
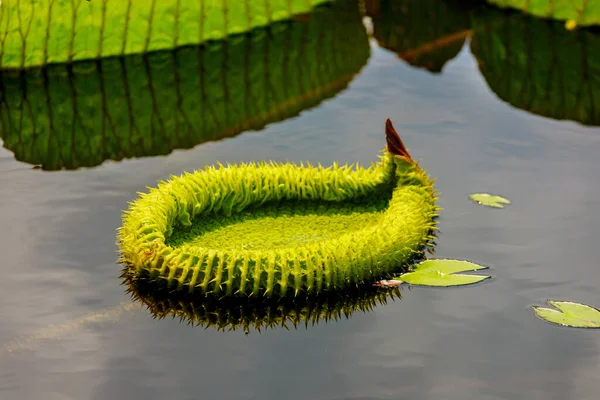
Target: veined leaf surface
37, 33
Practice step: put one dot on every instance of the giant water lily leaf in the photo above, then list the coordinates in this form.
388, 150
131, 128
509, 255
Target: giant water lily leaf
79, 115
441, 272
569, 314
425, 33
34, 32
580, 12
538, 66
489, 200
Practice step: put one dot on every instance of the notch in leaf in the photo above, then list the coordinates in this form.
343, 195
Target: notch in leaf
570, 314
443, 273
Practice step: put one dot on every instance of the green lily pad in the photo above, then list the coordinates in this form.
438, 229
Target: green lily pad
571, 314
442, 272
489, 200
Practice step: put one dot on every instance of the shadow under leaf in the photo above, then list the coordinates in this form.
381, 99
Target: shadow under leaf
235, 313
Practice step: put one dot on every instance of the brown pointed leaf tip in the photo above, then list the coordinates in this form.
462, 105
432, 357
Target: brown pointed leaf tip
394, 143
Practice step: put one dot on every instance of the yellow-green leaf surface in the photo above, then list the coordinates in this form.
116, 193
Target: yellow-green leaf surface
79, 115
37, 33
571, 314
425, 34
580, 12
441, 272
268, 229
489, 200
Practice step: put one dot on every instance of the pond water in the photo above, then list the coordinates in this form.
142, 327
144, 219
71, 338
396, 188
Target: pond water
488, 101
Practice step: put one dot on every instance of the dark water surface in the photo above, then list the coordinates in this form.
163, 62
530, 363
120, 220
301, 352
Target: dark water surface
499, 132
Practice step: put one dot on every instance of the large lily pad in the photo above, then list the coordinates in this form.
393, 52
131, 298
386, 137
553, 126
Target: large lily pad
441, 272
581, 12
36, 33
538, 66
569, 314
72, 116
425, 33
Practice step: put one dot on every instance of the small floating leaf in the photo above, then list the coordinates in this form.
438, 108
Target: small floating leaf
440, 272
571, 314
489, 200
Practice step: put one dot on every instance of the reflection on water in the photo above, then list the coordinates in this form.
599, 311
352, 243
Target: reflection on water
533, 64
257, 313
67, 117
57, 251
538, 66
69, 327
426, 34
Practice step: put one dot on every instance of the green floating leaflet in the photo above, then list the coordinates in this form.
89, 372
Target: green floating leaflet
489, 200
81, 114
271, 229
538, 66
568, 313
581, 12
37, 33
444, 273
258, 314
425, 33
